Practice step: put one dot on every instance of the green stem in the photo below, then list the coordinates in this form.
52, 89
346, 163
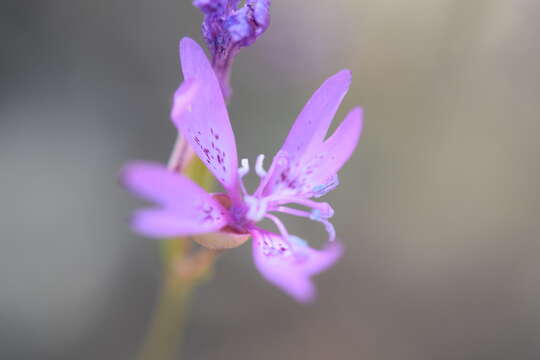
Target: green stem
183, 270
166, 331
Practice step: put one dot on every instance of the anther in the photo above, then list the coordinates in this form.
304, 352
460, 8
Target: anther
315, 215
325, 211
323, 189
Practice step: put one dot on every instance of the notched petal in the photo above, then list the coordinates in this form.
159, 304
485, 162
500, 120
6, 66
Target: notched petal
290, 264
307, 165
312, 124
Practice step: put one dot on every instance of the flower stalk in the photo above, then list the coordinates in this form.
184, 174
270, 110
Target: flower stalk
184, 268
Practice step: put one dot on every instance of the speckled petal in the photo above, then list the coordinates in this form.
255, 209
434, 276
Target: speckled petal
290, 265
301, 166
322, 163
205, 123
184, 207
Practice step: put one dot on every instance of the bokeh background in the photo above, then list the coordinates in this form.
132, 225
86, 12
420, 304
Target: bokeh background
439, 206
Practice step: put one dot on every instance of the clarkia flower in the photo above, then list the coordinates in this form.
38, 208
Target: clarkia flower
227, 27
304, 168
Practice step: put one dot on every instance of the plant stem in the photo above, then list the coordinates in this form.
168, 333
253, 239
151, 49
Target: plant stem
166, 331
183, 270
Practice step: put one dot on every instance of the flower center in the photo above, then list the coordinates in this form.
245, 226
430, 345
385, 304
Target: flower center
258, 207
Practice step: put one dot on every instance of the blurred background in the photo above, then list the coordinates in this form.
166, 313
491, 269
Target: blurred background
439, 206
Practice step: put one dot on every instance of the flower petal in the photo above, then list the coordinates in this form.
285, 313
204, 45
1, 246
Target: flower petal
185, 208
206, 123
290, 265
321, 165
184, 97
312, 124
297, 168
164, 223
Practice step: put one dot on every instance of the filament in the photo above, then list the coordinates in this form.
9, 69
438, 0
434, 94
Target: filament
282, 229
313, 215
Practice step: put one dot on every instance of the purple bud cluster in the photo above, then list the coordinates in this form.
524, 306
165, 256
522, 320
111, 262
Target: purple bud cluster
228, 26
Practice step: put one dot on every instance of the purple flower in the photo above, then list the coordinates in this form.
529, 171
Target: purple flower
227, 28
304, 168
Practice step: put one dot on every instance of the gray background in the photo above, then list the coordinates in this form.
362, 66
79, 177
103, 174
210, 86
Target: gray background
438, 206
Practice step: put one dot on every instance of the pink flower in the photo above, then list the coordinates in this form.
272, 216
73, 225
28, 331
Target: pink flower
304, 168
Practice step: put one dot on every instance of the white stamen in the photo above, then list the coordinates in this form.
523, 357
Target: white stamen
323, 189
325, 210
259, 169
282, 229
315, 215
329, 229
244, 169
